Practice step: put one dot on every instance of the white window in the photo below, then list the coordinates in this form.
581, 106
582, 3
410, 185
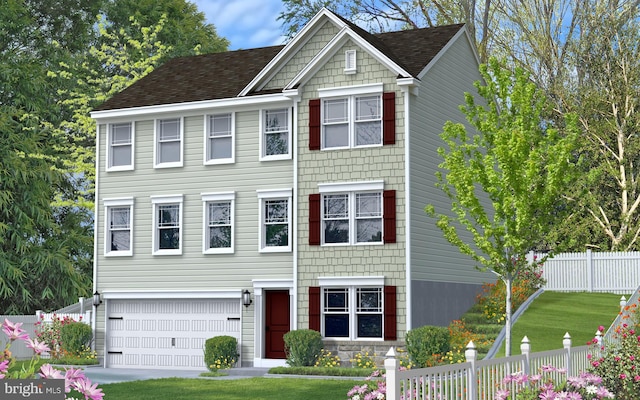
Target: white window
168, 149
352, 312
352, 121
167, 224
276, 134
219, 139
218, 209
275, 220
120, 146
352, 213
118, 227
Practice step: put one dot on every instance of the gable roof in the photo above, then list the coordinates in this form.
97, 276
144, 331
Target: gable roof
225, 75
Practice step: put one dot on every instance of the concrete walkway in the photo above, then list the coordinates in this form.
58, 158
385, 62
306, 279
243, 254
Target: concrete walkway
101, 375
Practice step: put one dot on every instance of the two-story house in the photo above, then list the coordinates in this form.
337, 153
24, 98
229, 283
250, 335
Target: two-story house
253, 192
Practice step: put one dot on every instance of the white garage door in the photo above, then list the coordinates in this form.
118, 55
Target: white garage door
167, 333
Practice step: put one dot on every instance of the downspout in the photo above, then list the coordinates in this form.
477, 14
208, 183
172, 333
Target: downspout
294, 154
94, 314
407, 207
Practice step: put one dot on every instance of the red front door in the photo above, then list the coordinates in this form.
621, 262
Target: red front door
276, 323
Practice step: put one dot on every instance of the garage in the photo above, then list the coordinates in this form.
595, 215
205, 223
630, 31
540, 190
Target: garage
158, 333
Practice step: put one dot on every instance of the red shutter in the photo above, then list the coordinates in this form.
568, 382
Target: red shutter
314, 124
389, 118
314, 219
389, 215
389, 313
314, 308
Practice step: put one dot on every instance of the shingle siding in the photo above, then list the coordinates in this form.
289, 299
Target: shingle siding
303, 57
352, 165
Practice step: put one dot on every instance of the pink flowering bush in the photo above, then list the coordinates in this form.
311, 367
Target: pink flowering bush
619, 363
374, 388
77, 385
50, 333
520, 386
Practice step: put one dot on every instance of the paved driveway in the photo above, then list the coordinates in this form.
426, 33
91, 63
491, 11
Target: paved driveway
101, 375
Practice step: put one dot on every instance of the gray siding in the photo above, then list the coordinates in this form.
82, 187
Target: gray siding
193, 270
433, 259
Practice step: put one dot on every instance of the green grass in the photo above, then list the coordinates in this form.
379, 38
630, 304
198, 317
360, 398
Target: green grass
338, 371
236, 389
553, 314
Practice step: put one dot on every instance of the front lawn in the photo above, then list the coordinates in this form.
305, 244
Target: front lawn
235, 389
553, 314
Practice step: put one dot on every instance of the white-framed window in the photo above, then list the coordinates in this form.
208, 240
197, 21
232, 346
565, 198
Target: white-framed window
353, 121
275, 220
118, 227
351, 116
120, 146
219, 139
275, 137
218, 211
352, 213
353, 312
169, 143
167, 224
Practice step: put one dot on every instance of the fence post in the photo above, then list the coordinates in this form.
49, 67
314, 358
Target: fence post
391, 369
589, 270
566, 343
525, 350
623, 303
471, 354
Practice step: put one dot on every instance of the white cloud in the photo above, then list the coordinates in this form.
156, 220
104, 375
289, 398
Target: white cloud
245, 23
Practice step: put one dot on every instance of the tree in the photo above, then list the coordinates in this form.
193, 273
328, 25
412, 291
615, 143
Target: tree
607, 101
43, 247
381, 15
185, 31
504, 181
102, 72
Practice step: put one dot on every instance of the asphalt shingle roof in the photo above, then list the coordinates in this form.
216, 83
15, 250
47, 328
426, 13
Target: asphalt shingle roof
224, 75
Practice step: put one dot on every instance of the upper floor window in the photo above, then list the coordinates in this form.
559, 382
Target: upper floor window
275, 220
352, 213
120, 146
219, 139
118, 227
218, 222
168, 150
352, 117
275, 139
167, 225
352, 122
351, 218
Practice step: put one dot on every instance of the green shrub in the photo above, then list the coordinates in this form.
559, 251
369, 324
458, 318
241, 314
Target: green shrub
75, 338
220, 352
426, 343
302, 346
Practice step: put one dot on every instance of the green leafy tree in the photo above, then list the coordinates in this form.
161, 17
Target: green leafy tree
185, 31
505, 180
103, 72
44, 249
607, 101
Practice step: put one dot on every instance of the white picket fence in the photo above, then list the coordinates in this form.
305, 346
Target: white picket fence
610, 272
479, 379
29, 324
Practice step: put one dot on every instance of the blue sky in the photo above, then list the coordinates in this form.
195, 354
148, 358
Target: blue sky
245, 23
